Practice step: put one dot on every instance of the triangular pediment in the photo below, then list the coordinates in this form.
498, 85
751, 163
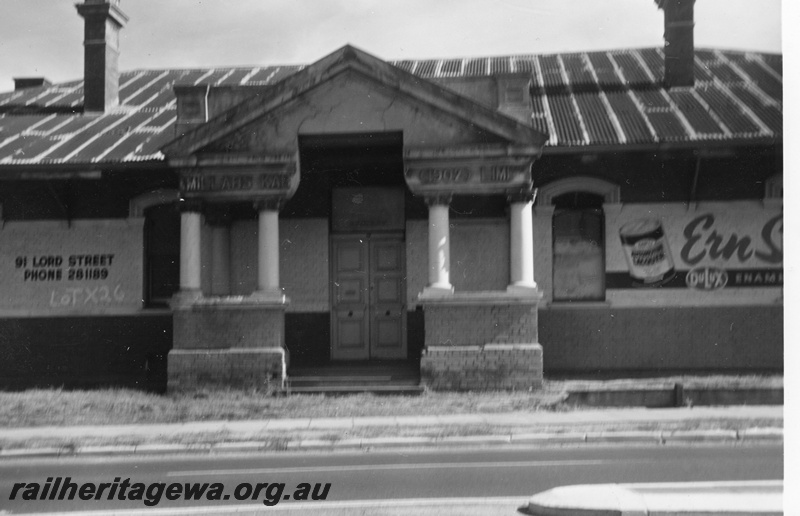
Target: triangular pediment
351, 91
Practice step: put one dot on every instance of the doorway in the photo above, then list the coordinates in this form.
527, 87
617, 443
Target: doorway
368, 315
356, 181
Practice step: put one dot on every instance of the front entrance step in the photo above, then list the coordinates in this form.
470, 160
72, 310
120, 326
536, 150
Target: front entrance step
354, 383
351, 380
396, 377
356, 389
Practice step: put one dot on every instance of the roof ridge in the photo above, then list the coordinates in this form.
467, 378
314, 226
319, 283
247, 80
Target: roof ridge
626, 85
77, 82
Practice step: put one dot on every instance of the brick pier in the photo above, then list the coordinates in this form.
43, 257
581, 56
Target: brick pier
482, 341
228, 344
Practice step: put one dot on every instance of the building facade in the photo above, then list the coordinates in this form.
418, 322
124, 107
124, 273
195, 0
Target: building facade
490, 219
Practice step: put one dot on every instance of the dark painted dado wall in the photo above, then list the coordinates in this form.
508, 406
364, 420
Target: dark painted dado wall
130, 351
604, 339
308, 337
119, 351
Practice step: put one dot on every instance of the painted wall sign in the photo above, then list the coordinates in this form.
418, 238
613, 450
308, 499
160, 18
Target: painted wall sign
647, 252
234, 182
721, 246
474, 177
443, 175
250, 184
704, 239
706, 278
90, 266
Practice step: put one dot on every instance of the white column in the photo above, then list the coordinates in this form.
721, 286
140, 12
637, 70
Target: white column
438, 246
190, 283
268, 252
220, 260
521, 239
543, 256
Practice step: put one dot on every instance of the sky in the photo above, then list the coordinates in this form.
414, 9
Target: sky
43, 38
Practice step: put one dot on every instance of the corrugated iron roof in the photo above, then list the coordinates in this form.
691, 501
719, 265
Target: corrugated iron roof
580, 99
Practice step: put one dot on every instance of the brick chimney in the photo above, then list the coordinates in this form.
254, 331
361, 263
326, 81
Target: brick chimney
678, 42
103, 21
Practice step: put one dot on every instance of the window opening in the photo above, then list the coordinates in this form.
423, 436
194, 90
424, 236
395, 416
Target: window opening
578, 247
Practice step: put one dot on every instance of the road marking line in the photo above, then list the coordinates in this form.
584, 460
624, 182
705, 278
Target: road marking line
370, 467
302, 506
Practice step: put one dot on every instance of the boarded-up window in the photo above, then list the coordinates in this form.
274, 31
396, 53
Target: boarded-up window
578, 252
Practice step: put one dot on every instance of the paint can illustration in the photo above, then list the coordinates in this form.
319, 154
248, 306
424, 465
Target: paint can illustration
647, 252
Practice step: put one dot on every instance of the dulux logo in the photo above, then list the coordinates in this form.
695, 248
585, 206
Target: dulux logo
707, 278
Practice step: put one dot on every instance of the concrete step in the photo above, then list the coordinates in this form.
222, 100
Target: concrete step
393, 388
351, 380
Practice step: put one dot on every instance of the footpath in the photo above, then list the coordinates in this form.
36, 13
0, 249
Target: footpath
722, 424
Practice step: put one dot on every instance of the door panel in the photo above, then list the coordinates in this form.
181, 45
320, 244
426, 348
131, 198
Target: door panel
387, 278
350, 293
368, 296
351, 332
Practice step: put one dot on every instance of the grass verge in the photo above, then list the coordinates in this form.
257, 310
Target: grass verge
121, 406
41, 407
280, 440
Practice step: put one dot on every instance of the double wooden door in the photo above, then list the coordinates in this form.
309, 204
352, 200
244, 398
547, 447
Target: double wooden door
368, 316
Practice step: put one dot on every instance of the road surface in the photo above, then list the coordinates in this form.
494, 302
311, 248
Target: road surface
364, 476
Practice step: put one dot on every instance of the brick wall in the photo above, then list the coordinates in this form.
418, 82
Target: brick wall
191, 369
471, 325
228, 327
228, 346
479, 255
489, 367
705, 338
303, 261
488, 346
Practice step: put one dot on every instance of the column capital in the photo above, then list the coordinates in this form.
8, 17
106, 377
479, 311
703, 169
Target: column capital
274, 204
190, 205
525, 194
443, 199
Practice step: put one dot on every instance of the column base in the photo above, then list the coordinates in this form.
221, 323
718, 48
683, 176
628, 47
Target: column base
185, 298
272, 296
524, 289
437, 290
